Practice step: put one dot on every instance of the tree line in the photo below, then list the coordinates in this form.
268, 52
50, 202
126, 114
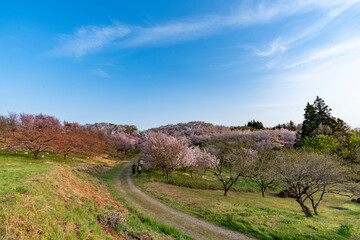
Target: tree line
39, 133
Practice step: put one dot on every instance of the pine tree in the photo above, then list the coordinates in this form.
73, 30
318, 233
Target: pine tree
310, 123
318, 116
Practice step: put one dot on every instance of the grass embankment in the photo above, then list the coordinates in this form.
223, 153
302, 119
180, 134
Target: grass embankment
248, 212
49, 198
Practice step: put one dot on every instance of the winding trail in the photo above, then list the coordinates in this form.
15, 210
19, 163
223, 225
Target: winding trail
190, 225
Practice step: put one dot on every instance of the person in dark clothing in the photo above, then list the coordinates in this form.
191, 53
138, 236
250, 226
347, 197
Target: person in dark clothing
139, 168
133, 167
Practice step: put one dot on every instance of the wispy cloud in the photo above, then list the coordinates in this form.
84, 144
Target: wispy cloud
89, 39
100, 73
326, 53
275, 47
330, 10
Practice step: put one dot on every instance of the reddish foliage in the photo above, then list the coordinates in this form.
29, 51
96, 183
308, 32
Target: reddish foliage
36, 133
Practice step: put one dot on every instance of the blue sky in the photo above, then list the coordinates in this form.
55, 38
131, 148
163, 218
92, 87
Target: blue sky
151, 63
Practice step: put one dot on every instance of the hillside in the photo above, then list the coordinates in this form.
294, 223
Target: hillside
51, 199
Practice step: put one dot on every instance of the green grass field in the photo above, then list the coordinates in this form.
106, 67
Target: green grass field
49, 198
246, 211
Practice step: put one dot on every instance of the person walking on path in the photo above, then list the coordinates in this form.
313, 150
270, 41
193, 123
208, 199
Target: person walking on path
139, 168
133, 168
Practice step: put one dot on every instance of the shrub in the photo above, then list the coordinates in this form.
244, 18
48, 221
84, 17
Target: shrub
345, 230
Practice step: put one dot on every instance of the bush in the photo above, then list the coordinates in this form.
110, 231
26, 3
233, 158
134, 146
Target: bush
321, 143
345, 230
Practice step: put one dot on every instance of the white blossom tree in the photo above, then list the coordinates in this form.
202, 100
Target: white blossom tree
164, 152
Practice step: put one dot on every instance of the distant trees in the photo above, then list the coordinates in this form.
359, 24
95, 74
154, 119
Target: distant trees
39, 133
291, 126
310, 175
111, 128
194, 132
255, 124
278, 137
122, 142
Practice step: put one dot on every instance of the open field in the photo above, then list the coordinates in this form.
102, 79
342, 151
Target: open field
50, 199
264, 218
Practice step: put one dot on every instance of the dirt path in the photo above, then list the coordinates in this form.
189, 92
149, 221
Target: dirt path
194, 227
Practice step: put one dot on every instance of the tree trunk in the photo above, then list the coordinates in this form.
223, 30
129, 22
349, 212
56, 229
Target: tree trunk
305, 209
225, 192
315, 206
315, 210
263, 191
65, 156
191, 174
167, 176
36, 153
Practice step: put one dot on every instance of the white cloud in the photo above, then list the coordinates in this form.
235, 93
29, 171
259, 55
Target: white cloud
89, 38
326, 53
275, 47
330, 11
93, 38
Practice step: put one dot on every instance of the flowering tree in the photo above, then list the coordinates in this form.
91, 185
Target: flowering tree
122, 142
86, 139
36, 133
165, 152
110, 128
194, 132
68, 142
199, 160
7, 128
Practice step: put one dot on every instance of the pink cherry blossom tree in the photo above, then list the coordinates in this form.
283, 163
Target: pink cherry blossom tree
122, 142
199, 160
164, 152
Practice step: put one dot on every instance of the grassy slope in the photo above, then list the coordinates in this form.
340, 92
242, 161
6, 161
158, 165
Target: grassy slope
248, 212
50, 199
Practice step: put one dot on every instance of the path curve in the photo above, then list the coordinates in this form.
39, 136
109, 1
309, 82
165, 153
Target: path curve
190, 225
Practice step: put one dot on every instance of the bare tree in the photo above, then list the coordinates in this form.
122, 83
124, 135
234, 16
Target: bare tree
310, 176
234, 164
261, 174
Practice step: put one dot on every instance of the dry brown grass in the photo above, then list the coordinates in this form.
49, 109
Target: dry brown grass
49, 209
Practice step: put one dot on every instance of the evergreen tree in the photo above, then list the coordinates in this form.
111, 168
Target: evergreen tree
318, 121
323, 113
255, 124
310, 121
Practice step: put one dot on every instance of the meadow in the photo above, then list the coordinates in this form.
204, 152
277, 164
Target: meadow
245, 210
50, 198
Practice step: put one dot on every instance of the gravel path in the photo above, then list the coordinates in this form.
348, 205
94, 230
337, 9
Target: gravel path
192, 226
